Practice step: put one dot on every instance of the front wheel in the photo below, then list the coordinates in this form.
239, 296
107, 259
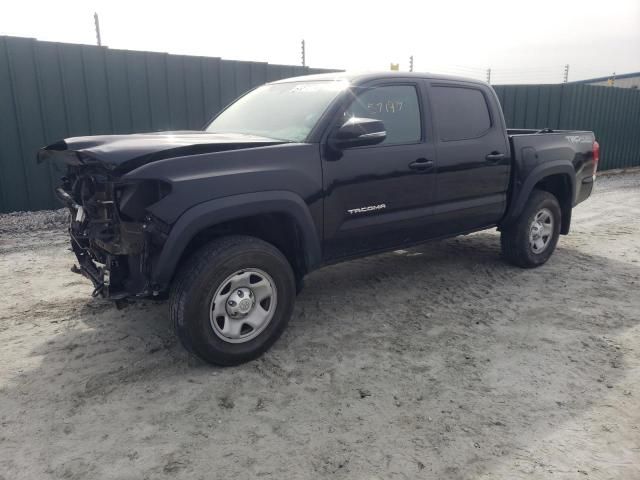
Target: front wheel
532, 238
232, 299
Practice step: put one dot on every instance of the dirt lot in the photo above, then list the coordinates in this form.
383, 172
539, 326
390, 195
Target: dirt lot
439, 362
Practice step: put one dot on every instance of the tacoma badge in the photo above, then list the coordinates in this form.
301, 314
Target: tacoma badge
369, 208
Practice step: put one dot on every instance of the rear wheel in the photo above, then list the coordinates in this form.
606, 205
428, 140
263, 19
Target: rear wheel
530, 241
232, 299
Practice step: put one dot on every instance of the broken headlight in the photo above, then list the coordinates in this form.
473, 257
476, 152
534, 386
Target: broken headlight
133, 198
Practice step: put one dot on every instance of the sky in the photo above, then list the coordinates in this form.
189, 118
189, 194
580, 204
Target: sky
520, 41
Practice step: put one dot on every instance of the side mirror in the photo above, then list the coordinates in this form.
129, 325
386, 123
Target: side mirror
359, 132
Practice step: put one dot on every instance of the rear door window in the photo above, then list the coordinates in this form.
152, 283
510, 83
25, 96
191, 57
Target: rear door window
461, 113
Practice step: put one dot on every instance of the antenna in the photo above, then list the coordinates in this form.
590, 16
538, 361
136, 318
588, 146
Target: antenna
96, 20
488, 75
566, 73
411, 63
304, 60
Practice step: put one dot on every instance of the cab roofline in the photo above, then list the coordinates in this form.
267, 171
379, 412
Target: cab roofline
357, 78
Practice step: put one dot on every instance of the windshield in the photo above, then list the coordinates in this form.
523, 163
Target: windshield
283, 111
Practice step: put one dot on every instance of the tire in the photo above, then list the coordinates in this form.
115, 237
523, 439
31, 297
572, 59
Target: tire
524, 243
225, 268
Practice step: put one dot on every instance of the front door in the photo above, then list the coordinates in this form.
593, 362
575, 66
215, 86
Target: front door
381, 196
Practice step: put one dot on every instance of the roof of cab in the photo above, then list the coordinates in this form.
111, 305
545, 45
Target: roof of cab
357, 78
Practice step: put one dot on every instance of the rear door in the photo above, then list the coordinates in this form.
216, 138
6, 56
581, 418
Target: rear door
473, 157
381, 196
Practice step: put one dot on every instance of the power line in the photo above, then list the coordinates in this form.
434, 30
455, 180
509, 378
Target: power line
467, 67
546, 74
531, 69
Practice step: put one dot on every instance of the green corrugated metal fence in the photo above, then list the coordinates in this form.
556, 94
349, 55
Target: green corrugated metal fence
50, 91
612, 113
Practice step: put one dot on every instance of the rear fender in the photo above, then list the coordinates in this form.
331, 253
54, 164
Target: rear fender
520, 195
220, 210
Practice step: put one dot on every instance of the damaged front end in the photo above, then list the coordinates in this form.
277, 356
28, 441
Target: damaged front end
112, 235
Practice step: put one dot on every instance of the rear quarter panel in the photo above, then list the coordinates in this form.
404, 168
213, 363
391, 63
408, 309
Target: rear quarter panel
575, 148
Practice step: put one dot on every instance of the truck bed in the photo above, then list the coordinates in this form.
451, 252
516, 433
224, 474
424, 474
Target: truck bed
531, 148
544, 131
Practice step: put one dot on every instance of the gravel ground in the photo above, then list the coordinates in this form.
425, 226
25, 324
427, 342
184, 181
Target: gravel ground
12, 224
438, 362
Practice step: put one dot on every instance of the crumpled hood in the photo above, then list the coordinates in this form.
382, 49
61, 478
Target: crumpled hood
122, 153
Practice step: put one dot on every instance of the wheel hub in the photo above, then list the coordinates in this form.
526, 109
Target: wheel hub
243, 305
240, 302
541, 231
536, 228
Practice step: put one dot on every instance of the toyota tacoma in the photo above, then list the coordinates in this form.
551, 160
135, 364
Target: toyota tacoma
305, 172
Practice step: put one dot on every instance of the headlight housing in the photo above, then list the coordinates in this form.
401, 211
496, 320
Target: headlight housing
133, 198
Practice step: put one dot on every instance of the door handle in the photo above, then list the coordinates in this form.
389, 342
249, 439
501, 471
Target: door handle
494, 157
421, 164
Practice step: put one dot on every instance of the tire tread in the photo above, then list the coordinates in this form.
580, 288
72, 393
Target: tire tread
195, 266
514, 239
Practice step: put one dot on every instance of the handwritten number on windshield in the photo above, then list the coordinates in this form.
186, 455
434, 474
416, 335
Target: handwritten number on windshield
389, 106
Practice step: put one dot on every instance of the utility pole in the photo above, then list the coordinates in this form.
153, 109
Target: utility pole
96, 20
304, 59
411, 63
566, 73
488, 75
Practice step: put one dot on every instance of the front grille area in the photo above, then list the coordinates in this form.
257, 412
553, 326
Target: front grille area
112, 253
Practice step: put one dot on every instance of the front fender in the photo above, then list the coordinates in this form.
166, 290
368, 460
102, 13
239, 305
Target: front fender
210, 213
522, 192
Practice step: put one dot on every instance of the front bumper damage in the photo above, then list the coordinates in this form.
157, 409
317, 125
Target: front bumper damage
114, 252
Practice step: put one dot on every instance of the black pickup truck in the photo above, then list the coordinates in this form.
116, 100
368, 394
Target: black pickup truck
305, 172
